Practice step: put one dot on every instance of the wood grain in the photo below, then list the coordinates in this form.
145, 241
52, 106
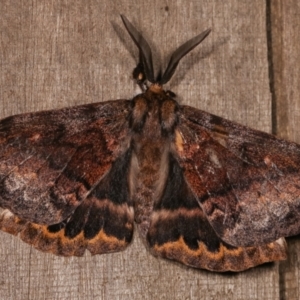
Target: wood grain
59, 53
285, 35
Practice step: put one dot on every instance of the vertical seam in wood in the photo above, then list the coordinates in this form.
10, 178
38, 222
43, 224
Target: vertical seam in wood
271, 67
275, 45
274, 28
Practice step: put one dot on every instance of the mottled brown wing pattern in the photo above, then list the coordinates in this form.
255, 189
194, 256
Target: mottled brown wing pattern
180, 231
63, 178
247, 182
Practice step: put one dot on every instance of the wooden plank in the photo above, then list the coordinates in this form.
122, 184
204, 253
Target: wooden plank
58, 53
285, 35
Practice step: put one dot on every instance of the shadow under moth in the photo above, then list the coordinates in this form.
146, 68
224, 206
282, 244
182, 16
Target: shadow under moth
202, 190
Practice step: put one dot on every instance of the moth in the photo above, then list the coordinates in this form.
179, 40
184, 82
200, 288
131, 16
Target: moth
202, 190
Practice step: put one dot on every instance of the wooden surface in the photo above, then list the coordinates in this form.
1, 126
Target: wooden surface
285, 79
62, 53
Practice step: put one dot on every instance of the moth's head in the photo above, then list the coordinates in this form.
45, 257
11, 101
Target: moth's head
144, 70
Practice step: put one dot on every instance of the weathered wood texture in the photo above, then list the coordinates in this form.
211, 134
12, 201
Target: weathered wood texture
62, 53
285, 79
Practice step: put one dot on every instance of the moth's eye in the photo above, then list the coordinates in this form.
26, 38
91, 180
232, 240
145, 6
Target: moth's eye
138, 114
168, 115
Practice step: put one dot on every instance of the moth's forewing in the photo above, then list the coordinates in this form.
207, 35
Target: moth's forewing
58, 181
246, 181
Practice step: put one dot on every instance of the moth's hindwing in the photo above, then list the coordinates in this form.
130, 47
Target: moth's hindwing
180, 231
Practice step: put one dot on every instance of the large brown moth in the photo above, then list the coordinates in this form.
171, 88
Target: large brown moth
202, 190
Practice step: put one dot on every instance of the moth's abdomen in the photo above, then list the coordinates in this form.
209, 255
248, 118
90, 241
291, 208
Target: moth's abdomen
148, 173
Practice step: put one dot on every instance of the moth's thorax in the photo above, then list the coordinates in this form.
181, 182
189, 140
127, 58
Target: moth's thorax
153, 120
154, 112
